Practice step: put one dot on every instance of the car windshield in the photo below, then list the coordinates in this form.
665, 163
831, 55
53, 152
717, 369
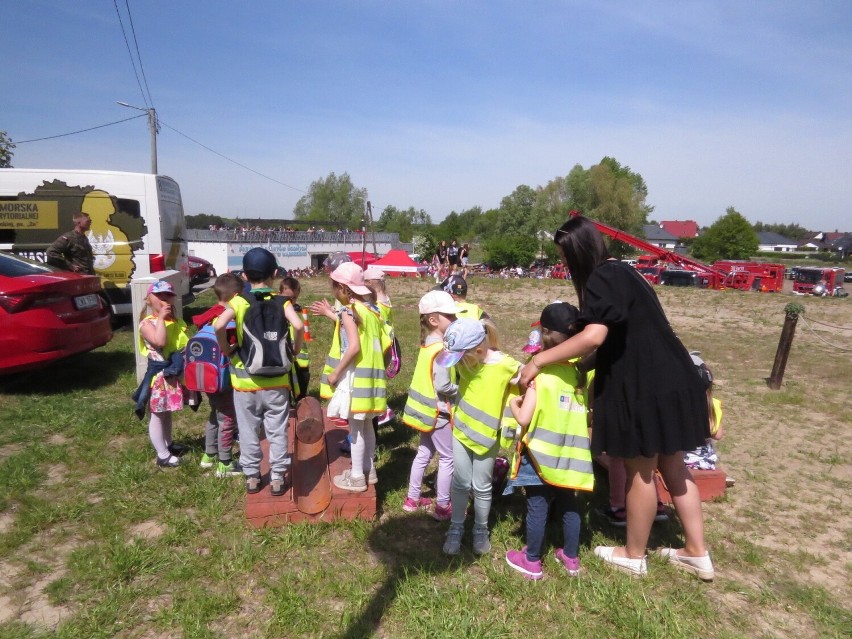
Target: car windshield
809, 276
14, 266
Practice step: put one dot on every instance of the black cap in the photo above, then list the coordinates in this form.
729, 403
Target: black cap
454, 285
259, 263
559, 316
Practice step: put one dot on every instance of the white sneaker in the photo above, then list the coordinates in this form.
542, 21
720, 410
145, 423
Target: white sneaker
636, 567
700, 566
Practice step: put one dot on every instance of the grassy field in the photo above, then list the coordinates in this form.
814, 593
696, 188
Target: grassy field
95, 541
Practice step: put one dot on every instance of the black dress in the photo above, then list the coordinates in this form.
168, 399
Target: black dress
648, 396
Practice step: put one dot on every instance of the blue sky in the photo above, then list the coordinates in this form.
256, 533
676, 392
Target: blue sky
448, 105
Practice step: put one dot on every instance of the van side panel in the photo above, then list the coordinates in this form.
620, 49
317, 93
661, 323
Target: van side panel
132, 221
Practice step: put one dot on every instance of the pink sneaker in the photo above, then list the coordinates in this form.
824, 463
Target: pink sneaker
572, 564
517, 559
412, 506
442, 513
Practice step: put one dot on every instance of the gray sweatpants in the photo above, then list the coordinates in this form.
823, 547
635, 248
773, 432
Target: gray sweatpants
472, 471
270, 409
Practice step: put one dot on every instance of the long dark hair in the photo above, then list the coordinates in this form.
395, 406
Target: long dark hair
583, 248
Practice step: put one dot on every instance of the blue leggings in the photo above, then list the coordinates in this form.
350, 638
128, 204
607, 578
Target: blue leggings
538, 505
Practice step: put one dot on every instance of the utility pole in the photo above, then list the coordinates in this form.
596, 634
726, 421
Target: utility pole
152, 127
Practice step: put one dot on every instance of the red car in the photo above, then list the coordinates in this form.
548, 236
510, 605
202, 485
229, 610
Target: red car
47, 314
200, 270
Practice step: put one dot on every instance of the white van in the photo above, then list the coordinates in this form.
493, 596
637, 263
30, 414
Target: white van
137, 227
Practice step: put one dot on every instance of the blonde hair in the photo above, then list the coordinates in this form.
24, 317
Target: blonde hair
492, 338
425, 329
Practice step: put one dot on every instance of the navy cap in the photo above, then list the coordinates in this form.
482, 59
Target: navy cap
455, 285
559, 316
259, 261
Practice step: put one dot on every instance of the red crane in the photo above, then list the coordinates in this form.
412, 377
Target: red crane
715, 277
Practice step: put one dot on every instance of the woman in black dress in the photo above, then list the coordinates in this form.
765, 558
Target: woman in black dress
649, 405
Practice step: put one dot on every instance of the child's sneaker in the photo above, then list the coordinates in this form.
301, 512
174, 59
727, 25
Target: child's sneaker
169, 462
252, 484
388, 416
346, 446
232, 468
481, 540
346, 481
571, 564
208, 461
517, 559
442, 513
372, 477
413, 505
452, 544
177, 450
278, 485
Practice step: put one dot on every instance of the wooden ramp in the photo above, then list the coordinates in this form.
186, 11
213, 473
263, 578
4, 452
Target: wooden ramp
262, 509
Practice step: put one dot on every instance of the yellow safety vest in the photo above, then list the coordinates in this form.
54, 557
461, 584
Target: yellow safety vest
369, 391
386, 311
421, 407
176, 337
240, 379
484, 394
557, 439
469, 310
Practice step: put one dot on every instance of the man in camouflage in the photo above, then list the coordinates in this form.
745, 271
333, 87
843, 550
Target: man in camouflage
72, 251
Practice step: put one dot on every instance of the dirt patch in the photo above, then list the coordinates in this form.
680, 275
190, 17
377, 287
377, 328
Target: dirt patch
7, 520
58, 439
147, 530
10, 449
55, 474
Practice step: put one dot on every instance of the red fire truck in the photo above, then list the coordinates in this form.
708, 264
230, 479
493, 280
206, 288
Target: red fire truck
819, 281
752, 276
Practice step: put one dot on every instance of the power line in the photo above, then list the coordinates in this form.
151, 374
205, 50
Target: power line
100, 126
225, 157
130, 53
138, 54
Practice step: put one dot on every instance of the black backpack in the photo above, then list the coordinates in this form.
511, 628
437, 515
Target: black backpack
266, 350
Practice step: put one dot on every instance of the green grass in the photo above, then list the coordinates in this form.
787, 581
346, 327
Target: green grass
132, 551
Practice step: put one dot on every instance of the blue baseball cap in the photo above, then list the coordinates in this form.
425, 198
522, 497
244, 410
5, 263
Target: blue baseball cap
461, 336
259, 261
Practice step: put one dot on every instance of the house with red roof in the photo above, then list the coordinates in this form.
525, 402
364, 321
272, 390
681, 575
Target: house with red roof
686, 228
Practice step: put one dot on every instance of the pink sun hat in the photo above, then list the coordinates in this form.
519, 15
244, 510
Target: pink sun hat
351, 275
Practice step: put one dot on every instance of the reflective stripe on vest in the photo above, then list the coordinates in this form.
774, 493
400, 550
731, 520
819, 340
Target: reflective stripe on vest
482, 405
557, 440
369, 387
240, 379
421, 407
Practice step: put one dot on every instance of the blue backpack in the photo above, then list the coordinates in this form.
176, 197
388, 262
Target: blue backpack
207, 367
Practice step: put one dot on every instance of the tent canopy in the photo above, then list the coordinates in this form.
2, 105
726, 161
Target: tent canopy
358, 256
397, 261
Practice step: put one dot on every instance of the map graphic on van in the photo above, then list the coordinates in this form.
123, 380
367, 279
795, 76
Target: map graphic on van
40, 217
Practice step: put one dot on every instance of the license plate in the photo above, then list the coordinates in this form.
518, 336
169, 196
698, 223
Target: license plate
84, 302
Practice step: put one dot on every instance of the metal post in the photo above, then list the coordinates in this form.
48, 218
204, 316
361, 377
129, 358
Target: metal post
791, 318
152, 124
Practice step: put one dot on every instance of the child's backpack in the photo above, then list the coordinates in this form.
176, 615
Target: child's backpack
206, 366
391, 351
266, 349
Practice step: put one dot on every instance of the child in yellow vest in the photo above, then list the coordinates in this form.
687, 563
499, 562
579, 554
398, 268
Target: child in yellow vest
487, 379
290, 287
428, 408
552, 458
162, 337
260, 401
353, 378
374, 278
